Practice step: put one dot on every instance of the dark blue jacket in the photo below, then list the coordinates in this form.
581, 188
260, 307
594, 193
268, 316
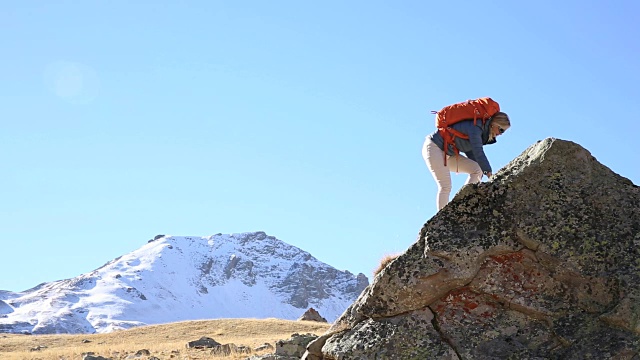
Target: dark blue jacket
478, 136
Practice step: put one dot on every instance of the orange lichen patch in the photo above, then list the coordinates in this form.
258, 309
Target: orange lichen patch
460, 299
464, 304
508, 258
513, 271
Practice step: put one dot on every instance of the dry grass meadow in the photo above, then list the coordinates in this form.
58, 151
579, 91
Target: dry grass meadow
166, 341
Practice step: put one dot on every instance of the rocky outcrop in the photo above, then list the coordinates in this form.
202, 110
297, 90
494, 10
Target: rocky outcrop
312, 315
4, 308
540, 262
289, 349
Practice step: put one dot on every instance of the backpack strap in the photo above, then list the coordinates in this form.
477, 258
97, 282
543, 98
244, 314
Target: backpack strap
448, 135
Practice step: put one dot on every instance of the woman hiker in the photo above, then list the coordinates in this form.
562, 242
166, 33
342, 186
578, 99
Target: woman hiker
475, 163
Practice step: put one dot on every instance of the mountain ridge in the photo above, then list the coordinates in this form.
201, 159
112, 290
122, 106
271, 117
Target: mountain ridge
176, 278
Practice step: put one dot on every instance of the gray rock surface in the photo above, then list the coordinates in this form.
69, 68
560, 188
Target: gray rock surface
312, 315
541, 262
289, 349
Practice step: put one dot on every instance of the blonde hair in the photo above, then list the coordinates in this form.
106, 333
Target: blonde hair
502, 120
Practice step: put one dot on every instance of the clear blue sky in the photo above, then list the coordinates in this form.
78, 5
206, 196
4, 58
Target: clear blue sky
120, 120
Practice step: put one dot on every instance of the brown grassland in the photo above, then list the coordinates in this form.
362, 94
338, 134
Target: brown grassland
165, 341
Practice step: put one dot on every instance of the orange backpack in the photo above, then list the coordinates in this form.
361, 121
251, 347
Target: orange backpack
482, 108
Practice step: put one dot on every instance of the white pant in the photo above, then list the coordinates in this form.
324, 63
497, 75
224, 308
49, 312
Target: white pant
434, 157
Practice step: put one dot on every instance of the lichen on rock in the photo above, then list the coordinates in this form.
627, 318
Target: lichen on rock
539, 262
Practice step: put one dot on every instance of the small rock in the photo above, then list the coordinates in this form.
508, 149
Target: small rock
265, 346
204, 342
143, 352
93, 357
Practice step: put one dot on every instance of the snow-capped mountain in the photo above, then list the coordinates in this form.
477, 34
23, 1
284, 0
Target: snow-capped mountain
174, 278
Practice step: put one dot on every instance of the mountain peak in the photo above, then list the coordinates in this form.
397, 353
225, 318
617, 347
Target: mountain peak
175, 278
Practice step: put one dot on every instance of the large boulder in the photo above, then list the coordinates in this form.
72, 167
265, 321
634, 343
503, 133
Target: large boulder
542, 262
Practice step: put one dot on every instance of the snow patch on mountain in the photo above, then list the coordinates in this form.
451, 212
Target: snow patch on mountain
177, 278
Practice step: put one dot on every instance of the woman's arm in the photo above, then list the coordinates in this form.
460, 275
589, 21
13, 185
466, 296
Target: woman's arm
475, 138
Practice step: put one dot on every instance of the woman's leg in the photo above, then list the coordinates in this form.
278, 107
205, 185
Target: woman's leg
434, 158
465, 165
